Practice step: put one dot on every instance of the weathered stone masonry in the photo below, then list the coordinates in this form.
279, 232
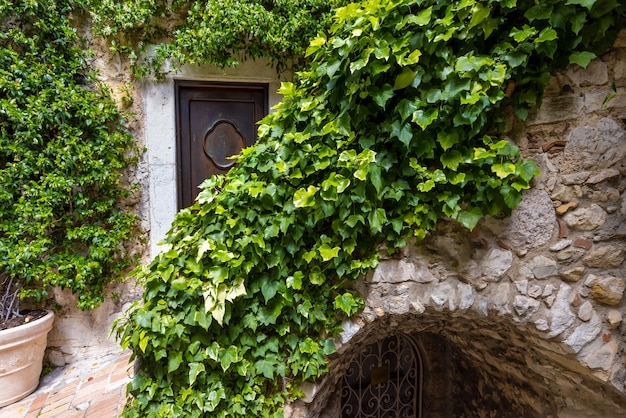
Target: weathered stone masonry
524, 316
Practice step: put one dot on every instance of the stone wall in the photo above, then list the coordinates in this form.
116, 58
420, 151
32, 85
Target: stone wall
524, 316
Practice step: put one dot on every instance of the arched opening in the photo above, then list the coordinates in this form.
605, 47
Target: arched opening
384, 380
470, 365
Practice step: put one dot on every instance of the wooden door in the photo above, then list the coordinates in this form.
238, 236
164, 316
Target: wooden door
214, 122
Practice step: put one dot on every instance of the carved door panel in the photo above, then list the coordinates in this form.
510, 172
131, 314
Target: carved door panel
214, 122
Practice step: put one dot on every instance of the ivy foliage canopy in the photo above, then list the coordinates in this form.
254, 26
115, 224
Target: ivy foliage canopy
392, 127
63, 148
220, 32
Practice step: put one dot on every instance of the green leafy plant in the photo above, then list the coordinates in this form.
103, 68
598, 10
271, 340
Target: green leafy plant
62, 151
394, 126
220, 32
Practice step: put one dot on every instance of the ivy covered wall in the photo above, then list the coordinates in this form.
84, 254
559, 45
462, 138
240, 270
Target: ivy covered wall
380, 138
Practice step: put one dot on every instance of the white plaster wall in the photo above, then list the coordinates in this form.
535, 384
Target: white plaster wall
160, 133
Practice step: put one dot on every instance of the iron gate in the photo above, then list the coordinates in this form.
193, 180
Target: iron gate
384, 381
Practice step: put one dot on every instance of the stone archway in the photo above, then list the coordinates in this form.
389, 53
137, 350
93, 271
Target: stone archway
501, 333
525, 315
474, 366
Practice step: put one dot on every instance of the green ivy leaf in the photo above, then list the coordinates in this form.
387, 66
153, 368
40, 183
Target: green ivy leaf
228, 357
266, 368
174, 361
194, 370
327, 252
512, 197
451, 159
520, 35
547, 34
347, 303
503, 170
422, 18
585, 3
539, 12
403, 132
314, 45
381, 96
582, 58
447, 139
479, 14
295, 281
528, 170
425, 117
404, 79
406, 108
269, 288
305, 197
376, 219
469, 218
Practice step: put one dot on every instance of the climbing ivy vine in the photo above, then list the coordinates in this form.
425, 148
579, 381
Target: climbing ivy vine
63, 150
221, 32
393, 126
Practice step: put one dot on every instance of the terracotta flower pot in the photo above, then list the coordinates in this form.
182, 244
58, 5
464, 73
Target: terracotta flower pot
21, 358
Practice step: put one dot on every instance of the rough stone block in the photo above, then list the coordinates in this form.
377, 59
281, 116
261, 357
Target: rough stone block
596, 147
605, 256
614, 318
522, 286
602, 358
608, 290
396, 271
581, 242
585, 311
556, 109
561, 245
561, 315
607, 174
567, 193
562, 209
543, 267
465, 295
350, 329
496, 263
534, 291
577, 178
586, 218
585, 333
501, 299
530, 225
595, 74
525, 306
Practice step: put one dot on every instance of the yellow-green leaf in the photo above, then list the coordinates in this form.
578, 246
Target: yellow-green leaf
305, 197
404, 79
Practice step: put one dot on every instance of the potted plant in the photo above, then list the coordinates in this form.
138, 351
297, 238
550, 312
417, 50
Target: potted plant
63, 152
22, 344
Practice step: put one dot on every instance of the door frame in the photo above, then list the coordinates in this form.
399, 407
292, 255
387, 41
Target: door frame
182, 148
157, 169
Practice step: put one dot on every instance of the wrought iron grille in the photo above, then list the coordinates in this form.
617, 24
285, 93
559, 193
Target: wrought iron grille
384, 381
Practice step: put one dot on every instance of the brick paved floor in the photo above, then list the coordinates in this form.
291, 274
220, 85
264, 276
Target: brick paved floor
84, 390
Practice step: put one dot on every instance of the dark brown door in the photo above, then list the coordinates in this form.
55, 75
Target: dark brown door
214, 122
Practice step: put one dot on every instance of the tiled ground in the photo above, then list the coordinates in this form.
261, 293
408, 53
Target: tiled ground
87, 389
